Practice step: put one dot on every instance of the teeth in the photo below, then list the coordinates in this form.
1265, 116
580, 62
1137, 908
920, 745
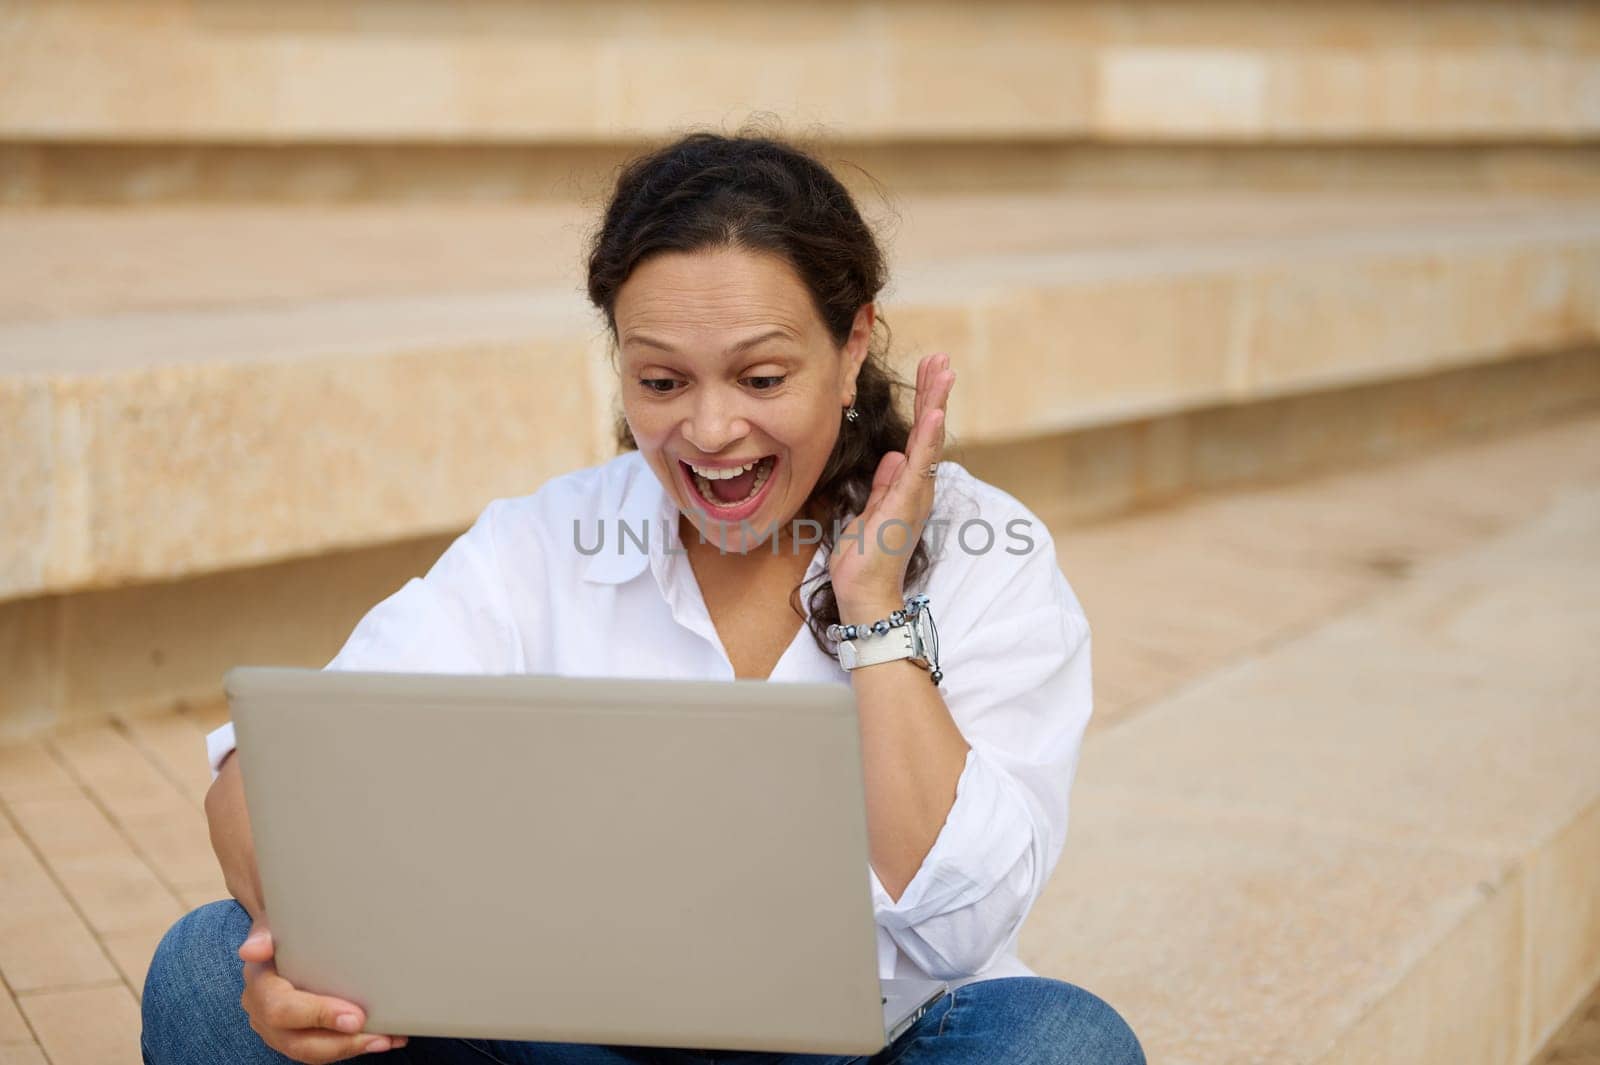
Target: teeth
704, 484
721, 475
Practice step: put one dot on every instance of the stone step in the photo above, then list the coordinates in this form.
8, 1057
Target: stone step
1378, 840
1578, 1040
170, 71
156, 363
195, 390
1368, 836
65, 174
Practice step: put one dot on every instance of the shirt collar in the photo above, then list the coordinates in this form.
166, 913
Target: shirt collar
638, 501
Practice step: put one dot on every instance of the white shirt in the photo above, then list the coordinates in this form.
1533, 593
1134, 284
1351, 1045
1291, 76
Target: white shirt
525, 591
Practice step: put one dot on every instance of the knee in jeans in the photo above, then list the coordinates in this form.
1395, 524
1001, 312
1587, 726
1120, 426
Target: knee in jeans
1095, 1023
1084, 1029
196, 966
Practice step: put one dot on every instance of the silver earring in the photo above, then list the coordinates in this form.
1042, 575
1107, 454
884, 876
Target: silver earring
852, 414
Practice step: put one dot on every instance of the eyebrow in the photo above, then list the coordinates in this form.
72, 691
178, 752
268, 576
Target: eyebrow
743, 345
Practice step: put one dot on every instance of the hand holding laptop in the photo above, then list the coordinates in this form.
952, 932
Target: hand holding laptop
306, 1027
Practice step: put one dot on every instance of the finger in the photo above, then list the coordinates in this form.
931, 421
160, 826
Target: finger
283, 1005
912, 494
943, 405
927, 441
322, 1047
888, 469
940, 382
948, 377
928, 379
935, 439
934, 394
888, 472
276, 1005
258, 945
923, 367
883, 481
939, 402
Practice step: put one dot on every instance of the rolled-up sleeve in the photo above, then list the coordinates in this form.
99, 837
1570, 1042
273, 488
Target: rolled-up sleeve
453, 620
1019, 687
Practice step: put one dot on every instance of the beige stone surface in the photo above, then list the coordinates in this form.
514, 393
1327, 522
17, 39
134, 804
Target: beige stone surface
788, 63
30, 660
1229, 936
155, 817
1105, 331
164, 452
1086, 475
917, 330
195, 467
1446, 734
1321, 322
88, 261
1448, 917
76, 174
1330, 733
1223, 92
194, 898
1103, 348
1255, 565
58, 1017
1578, 1041
132, 950
1432, 92
43, 941
1458, 1003
28, 770
1002, 70
1564, 924
569, 72
112, 885
84, 261
13, 1029
206, 716
22, 1054
29, 454
1334, 541
167, 740
144, 647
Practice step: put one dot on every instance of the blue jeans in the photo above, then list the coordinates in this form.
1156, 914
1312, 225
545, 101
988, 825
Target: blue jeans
192, 1015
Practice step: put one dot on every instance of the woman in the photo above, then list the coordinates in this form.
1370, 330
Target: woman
758, 426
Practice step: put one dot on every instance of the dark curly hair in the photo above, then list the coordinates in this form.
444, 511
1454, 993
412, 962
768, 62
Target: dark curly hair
762, 193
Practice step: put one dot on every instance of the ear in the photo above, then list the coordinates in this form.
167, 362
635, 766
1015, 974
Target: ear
856, 347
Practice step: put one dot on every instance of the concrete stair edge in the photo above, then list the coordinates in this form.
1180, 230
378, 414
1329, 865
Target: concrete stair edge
200, 388
1386, 898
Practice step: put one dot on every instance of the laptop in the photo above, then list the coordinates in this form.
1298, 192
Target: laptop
669, 863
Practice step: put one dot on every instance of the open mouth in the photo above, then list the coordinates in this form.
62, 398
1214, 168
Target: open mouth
732, 497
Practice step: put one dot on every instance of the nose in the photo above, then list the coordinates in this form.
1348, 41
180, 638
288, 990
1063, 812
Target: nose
715, 422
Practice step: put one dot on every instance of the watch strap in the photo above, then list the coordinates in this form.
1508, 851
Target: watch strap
898, 642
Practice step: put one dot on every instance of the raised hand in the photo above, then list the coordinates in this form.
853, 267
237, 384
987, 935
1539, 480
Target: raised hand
868, 563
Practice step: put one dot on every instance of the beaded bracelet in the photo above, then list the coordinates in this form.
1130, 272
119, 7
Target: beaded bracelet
915, 605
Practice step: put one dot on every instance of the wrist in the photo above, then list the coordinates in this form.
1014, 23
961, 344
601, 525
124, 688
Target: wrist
866, 611
889, 631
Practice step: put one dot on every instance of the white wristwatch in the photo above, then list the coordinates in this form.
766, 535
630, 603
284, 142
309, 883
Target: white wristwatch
914, 637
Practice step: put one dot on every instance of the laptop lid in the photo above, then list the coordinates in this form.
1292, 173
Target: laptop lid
596, 860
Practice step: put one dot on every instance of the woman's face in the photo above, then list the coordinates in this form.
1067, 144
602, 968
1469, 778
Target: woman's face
725, 361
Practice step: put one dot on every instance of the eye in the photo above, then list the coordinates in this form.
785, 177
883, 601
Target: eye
649, 384
775, 380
